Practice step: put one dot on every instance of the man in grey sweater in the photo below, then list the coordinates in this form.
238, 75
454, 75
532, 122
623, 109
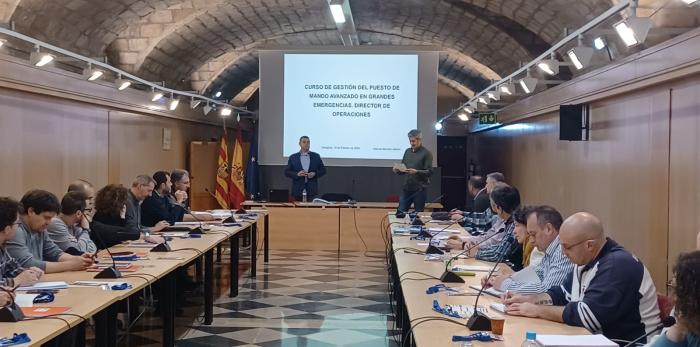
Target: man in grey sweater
71, 228
31, 245
419, 167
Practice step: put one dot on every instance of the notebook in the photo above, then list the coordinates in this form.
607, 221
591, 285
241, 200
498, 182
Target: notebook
45, 286
43, 311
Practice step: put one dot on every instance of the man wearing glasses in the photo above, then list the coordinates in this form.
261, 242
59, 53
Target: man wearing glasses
610, 292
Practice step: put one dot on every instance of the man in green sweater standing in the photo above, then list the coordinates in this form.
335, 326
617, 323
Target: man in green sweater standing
419, 166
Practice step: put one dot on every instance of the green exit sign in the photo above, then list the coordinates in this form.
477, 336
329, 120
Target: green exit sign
487, 118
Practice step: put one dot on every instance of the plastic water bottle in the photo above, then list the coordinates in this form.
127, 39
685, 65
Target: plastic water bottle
303, 195
531, 340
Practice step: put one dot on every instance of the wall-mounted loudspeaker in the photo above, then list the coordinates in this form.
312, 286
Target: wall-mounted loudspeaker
574, 122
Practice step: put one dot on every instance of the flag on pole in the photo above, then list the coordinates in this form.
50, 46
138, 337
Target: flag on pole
237, 189
252, 177
222, 175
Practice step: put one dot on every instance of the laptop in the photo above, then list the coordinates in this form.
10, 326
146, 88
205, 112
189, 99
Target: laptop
278, 195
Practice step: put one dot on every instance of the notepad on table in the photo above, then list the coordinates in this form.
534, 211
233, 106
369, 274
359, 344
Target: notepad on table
25, 300
490, 291
43, 311
45, 286
575, 341
473, 268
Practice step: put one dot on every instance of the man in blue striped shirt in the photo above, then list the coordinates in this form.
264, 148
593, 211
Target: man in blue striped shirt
543, 224
504, 200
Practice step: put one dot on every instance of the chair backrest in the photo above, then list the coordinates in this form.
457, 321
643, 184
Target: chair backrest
666, 304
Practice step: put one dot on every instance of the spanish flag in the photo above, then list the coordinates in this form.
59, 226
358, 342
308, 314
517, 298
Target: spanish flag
237, 187
222, 175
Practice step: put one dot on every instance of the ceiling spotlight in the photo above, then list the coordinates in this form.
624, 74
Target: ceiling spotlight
528, 83
507, 89
494, 95
468, 109
599, 43
438, 126
226, 111
2, 42
581, 55
121, 83
92, 74
337, 11
206, 109
37, 58
549, 66
157, 95
463, 117
218, 94
633, 30
691, 2
174, 102
195, 102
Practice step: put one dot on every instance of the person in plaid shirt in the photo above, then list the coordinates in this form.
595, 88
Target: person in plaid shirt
12, 274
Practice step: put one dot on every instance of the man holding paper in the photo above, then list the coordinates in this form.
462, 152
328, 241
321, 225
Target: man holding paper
543, 224
417, 166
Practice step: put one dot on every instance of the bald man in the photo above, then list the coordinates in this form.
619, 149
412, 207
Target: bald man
610, 292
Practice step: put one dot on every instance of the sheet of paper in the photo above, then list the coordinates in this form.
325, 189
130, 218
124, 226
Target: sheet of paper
491, 291
401, 167
25, 300
45, 285
526, 275
575, 341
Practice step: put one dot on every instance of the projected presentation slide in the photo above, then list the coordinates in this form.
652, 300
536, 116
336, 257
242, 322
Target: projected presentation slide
352, 106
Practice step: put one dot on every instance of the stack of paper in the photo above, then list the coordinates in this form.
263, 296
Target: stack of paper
45, 286
575, 341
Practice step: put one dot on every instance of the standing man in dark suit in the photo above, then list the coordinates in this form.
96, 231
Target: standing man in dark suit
304, 168
477, 189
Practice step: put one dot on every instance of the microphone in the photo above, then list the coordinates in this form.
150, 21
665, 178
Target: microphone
110, 272
479, 321
198, 230
11, 312
227, 220
665, 323
416, 220
434, 249
451, 277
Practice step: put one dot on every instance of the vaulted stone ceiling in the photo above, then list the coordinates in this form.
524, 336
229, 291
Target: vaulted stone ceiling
211, 45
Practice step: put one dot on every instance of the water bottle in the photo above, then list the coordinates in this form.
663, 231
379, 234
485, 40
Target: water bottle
303, 195
531, 340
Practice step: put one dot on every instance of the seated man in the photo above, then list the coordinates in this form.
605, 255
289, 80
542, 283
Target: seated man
31, 245
686, 331
490, 237
609, 292
543, 224
141, 188
71, 228
12, 274
157, 207
481, 215
181, 183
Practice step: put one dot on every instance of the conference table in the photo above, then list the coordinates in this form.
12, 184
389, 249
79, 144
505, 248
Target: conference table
409, 277
102, 304
332, 226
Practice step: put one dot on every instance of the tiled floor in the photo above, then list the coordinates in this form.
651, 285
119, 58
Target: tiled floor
302, 298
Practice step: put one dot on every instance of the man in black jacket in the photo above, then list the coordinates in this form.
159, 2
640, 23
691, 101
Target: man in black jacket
158, 206
477, 189
305, 168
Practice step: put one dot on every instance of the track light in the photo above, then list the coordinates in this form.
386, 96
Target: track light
691, 2
2, 42
508, 88
633, 30
218, 94
463, 117
92, 74
494, 95
468, 109
206, 109
580, 56
599, 43
157, 95
194, 103
39, 59
438, 126
483, 100
549, 66
174, 102
121, 83
337, 11
226, 111
528, 83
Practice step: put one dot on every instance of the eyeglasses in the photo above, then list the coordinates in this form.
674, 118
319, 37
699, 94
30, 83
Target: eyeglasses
568, 248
